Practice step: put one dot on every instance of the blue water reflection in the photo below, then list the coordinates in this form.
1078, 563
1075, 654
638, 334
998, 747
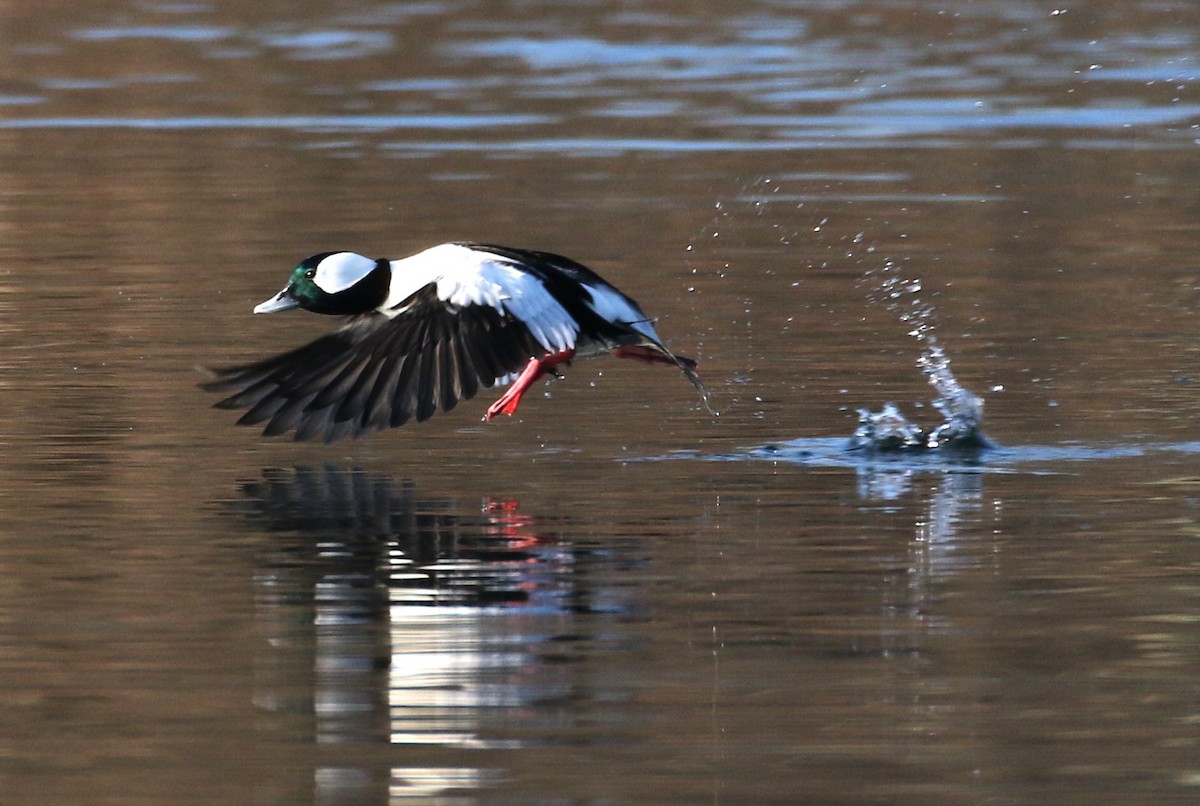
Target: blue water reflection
789, 75
170, 33
298, 122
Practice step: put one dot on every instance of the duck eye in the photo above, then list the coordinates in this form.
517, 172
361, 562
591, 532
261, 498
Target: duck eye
311, 273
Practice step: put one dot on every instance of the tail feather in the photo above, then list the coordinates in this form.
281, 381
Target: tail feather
689, 369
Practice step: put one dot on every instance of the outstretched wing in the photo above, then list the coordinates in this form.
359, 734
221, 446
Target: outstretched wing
379, 373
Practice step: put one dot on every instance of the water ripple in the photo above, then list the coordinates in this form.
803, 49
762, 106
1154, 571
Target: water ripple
838, 452
834, 76
327, 45
173, 33
319, 122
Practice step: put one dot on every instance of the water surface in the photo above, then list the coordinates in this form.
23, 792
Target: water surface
583, 603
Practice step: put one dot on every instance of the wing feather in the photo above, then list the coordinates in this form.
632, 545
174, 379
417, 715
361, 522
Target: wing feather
468, 373
404, 399
355, 403
329, 391
377, 372
377, 411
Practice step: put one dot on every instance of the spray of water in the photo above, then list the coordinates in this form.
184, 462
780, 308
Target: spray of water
962, 411
888, 284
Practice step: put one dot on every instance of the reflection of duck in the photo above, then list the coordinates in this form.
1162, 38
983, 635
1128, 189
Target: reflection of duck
430, 330
363, 525
409, 619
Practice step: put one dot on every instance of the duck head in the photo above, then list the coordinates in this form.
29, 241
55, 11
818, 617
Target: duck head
336, 283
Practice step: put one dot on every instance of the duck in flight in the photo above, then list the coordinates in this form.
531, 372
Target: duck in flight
430, 330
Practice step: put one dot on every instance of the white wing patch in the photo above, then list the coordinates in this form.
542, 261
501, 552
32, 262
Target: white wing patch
524, 296
466, 277
614, 306
341, 270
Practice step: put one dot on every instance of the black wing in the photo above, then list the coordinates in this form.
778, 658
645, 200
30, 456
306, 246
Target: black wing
379, 373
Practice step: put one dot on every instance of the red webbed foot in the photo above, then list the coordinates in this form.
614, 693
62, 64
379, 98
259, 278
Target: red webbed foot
534, 370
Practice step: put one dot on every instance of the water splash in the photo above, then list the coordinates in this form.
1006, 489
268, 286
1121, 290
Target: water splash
962, 410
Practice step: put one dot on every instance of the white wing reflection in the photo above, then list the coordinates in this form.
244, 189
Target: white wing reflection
464, 631
395, 620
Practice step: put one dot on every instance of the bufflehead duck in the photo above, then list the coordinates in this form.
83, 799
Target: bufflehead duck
428, 331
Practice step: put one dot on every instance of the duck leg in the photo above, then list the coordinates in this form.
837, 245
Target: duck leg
650, 355
534, 370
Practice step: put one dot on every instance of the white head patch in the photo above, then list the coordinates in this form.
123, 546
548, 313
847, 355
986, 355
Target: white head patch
341, 270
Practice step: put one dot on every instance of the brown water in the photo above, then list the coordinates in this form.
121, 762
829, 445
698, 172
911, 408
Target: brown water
614, 597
